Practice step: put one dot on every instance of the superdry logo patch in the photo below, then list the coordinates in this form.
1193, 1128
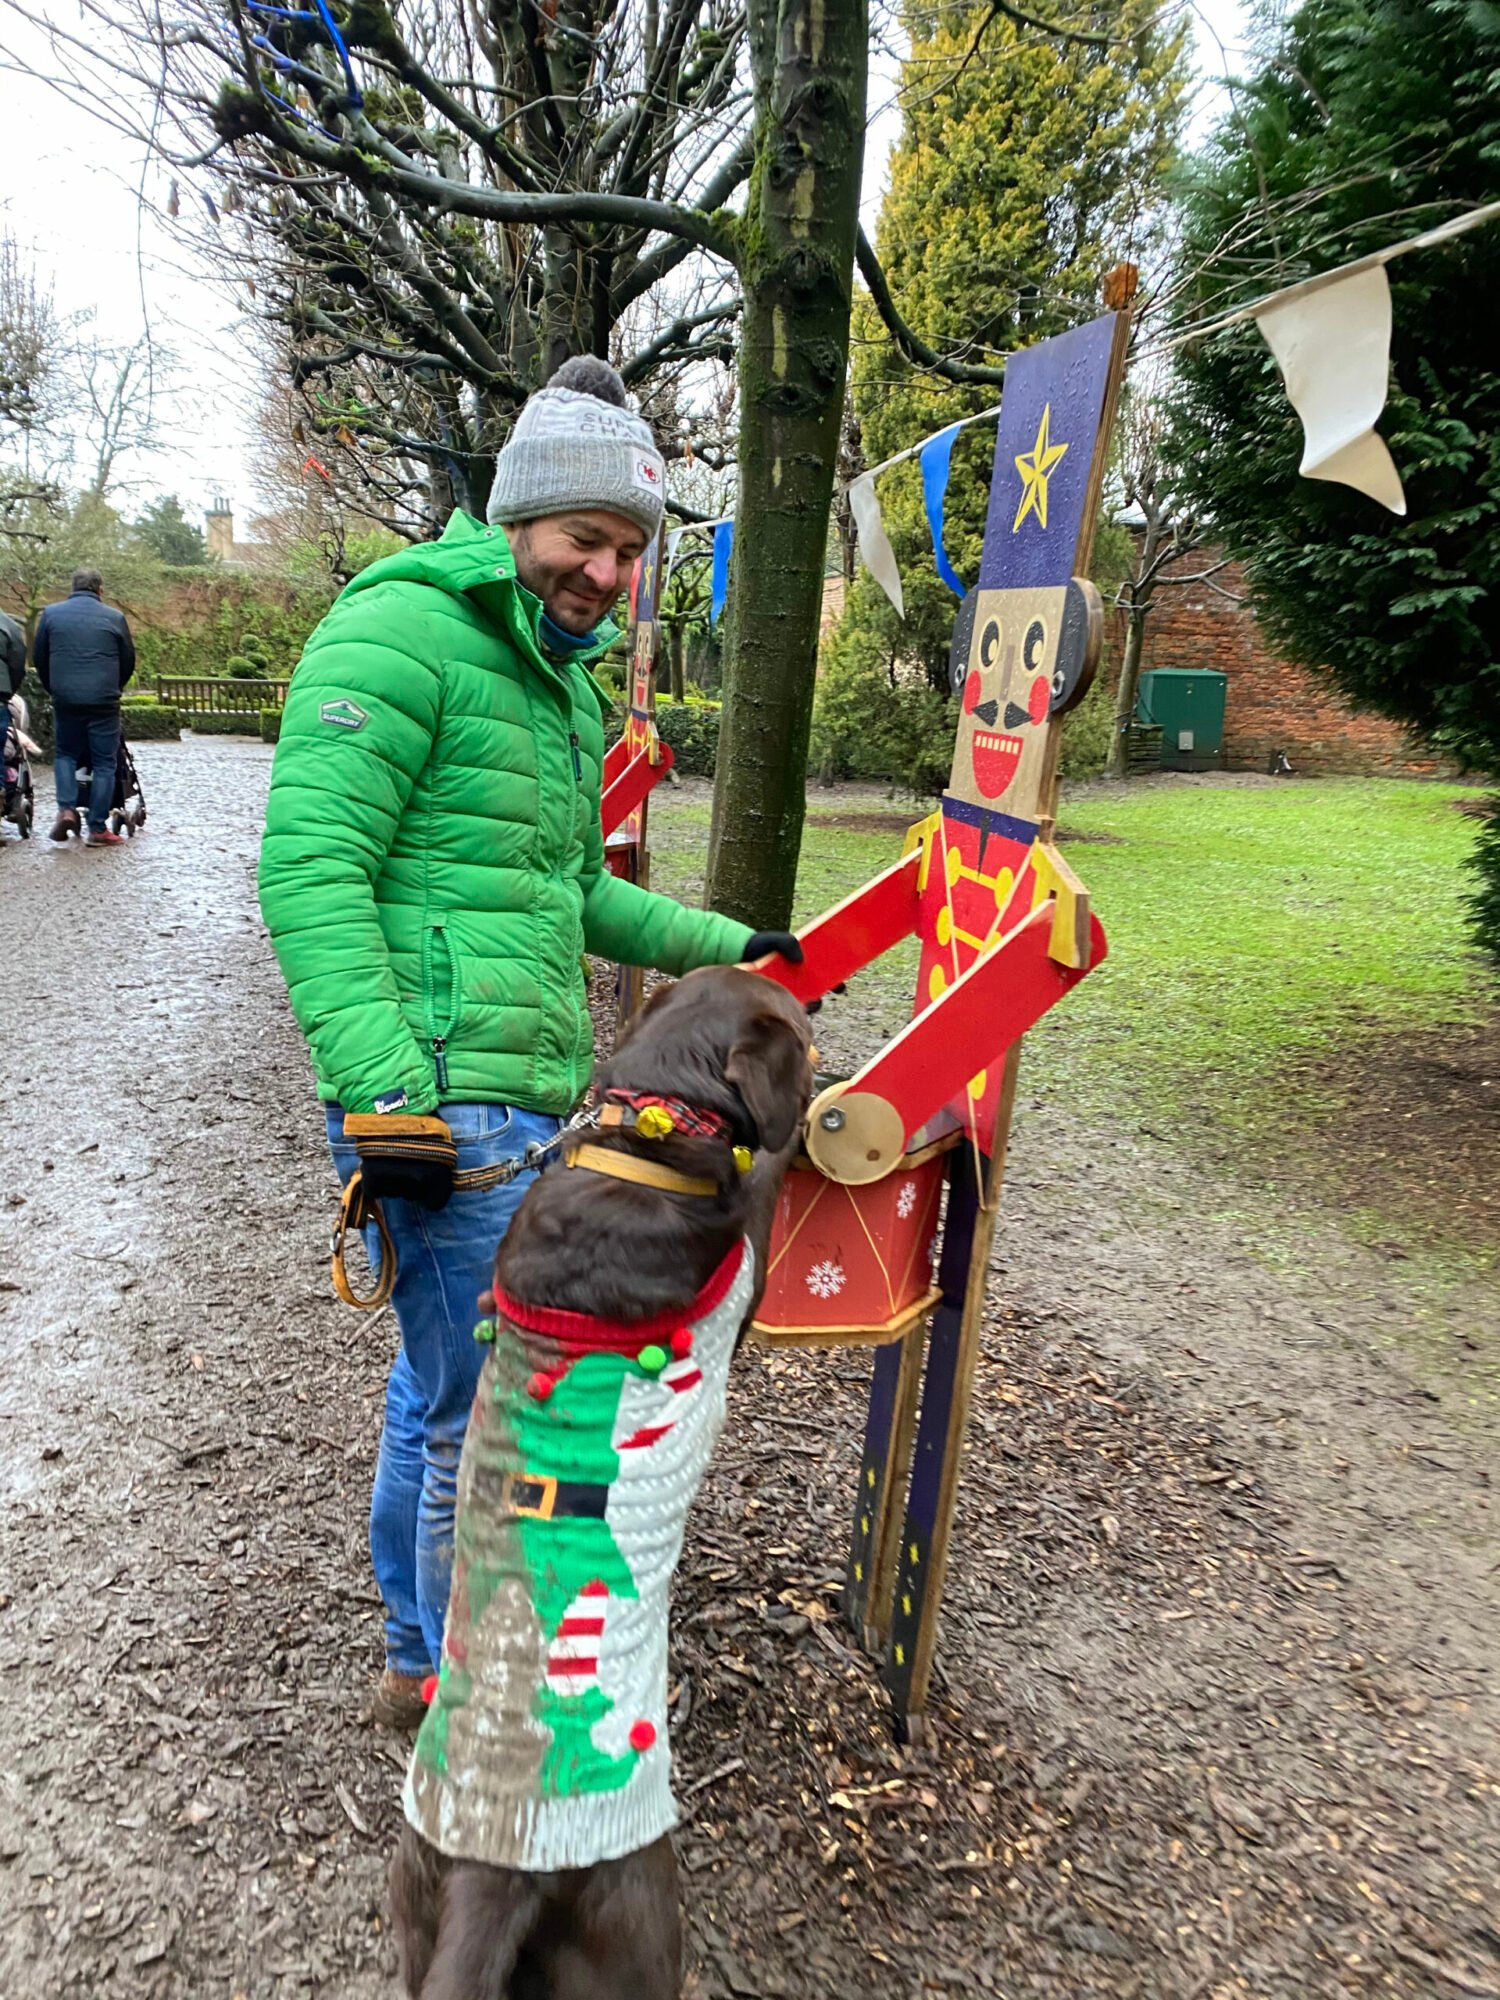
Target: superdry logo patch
343, 714
648, 474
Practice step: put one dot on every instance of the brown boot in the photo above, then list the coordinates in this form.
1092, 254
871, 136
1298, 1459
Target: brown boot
67, 822
400, 1701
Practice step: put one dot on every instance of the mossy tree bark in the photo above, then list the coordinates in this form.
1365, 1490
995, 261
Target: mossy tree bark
796, 262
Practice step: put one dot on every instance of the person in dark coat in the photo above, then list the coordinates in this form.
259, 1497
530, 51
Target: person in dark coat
12, 656
84, 656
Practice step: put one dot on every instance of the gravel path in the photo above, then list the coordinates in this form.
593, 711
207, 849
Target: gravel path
1217, 1705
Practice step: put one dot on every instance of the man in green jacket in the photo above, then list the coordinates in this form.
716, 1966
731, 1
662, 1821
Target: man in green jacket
432, 874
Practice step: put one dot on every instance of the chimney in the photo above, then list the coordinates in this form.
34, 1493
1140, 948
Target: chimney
219, 521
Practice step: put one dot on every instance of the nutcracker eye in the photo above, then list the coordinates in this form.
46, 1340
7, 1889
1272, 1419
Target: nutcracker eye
1034, 646
989, 646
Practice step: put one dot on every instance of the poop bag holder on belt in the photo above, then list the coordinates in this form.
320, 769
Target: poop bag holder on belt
409, 1159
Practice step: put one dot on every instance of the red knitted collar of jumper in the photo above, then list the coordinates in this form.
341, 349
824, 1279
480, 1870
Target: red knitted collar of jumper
586, 1333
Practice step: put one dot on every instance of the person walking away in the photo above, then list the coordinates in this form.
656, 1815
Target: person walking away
12, 656
83, 656
431, 875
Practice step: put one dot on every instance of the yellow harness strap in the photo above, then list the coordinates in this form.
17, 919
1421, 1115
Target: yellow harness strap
645, 1173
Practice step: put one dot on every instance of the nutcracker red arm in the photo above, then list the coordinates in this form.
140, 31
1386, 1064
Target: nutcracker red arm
858, 1128
627, 780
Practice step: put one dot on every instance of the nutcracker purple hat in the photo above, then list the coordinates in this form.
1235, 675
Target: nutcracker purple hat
577, 444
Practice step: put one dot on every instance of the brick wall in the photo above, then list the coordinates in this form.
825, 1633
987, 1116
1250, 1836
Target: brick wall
1269, 705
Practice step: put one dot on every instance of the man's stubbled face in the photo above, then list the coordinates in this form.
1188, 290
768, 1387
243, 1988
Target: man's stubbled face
578, 564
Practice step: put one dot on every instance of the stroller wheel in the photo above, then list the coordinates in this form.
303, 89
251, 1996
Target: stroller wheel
23, 818
115, 822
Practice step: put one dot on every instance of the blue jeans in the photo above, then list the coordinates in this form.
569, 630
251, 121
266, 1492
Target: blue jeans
86, 736
444, 1260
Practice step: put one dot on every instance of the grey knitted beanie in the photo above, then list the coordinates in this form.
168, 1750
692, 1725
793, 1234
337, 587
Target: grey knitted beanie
576, 444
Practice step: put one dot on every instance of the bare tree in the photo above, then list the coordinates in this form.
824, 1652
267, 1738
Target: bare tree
1169, 533
33, 343
118, 405
439, 204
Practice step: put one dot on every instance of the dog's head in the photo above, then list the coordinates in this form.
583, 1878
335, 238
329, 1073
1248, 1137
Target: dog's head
724, 1038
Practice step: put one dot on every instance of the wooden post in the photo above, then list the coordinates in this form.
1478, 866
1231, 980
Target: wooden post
640, 733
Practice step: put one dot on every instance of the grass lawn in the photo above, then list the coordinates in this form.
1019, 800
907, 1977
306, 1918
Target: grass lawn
1250, 926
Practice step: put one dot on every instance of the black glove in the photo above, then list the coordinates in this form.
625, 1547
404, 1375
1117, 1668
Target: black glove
765, 942
403, 1157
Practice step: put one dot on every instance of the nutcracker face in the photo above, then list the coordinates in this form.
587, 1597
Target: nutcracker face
1020, 658
1006, 699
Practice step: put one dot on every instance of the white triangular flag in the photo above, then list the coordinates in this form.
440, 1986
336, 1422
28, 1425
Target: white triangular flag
1333, 347
674, 536
874, 542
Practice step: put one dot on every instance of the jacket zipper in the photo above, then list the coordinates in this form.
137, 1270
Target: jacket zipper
437, 940
577, 760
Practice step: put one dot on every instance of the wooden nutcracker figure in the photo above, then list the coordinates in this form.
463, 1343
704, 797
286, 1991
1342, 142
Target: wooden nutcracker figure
1005, 931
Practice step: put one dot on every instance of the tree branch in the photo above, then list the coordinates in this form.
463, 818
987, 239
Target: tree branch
912, 345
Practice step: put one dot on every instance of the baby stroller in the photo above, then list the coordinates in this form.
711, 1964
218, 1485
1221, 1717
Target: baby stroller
19, 800
127, 814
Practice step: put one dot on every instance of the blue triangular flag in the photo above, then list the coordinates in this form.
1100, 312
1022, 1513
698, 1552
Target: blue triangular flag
935, 458
723, 543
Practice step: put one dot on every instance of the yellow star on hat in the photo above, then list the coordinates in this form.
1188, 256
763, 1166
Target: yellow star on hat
1035, 467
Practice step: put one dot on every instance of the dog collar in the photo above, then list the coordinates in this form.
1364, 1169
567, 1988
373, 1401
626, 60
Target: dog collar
651, 1116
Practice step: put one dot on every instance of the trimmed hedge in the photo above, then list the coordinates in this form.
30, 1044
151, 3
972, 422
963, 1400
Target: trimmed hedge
692, 729
150, 722
270, 725
221, 725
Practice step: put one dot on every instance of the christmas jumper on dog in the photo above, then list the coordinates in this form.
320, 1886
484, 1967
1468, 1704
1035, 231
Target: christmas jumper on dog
545, 1745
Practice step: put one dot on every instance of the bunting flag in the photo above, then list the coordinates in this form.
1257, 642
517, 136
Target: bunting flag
1333, 347
674, 536
723, 545
936, 458
874, 542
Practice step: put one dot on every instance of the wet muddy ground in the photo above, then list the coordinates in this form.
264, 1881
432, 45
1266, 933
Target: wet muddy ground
1218, 1701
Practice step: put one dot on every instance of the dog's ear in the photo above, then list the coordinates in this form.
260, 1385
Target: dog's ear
768, 1067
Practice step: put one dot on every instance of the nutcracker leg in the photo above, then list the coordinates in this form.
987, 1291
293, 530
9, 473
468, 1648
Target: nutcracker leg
869, 1580
922, 1556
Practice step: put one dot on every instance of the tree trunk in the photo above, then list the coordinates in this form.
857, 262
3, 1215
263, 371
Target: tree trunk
809, 59
1130, 680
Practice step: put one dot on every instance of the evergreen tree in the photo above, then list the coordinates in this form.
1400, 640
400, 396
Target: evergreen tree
165, 529
1368, 120
1027, 166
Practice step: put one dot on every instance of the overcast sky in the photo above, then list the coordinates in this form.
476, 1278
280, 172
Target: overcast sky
69, 193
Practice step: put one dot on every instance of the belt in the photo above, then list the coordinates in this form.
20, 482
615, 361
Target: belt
539, 1497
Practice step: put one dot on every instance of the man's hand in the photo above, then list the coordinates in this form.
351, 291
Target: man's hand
765, 942
404, 1157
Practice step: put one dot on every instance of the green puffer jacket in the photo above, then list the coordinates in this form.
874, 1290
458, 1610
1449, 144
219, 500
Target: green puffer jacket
433, 870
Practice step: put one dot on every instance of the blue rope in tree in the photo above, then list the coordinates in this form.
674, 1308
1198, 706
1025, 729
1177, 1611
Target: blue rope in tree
322, 18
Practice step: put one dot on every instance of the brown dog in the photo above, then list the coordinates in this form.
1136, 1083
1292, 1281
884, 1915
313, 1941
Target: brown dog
635, 1259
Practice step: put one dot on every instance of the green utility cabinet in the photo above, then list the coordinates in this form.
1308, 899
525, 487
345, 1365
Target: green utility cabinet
1187, 705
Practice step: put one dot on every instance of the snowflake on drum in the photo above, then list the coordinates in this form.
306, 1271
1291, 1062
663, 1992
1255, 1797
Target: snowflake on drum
826, 1279
906, 1199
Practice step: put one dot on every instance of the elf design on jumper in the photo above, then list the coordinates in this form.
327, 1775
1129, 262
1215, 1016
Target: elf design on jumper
545, 1746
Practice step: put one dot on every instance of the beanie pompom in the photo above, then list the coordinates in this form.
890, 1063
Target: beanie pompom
587, 375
